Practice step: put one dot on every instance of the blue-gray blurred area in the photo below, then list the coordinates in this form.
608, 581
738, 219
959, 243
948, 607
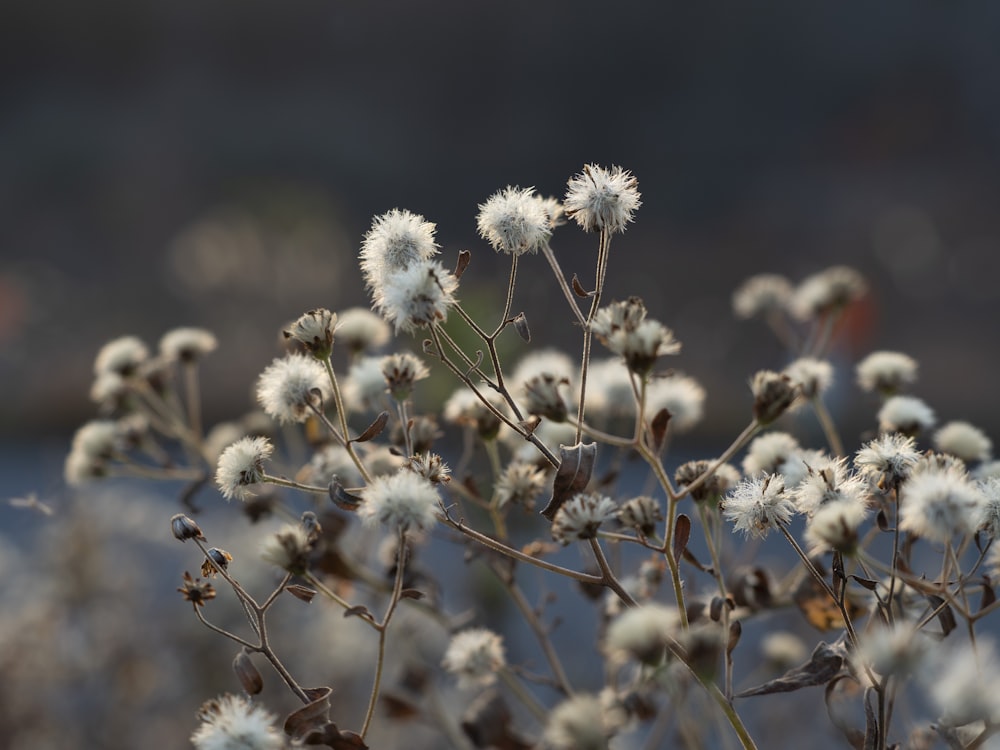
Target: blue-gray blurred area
217, 163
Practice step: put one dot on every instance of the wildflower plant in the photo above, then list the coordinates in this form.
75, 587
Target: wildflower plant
890, 537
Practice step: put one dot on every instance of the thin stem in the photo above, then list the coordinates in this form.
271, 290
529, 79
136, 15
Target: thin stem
744, 437
505, 318
602, 264
292, 484
338, 401
563, 284
530, 702
221, 631
192, 396
608, 577
829, 428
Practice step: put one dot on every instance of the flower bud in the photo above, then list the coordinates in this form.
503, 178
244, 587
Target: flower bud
185, 528
773, 393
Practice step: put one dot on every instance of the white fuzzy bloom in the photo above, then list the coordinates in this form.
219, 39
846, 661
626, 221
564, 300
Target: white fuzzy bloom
832, 289
888, 459
602, 199
965, 441
241, 465
801, 464
762, 294
581, 516
552, 434
122, 356
906, 414
642, 633
681, 395
314, 330
783, 650
94, 445
609, 390
641, 513
365, 386
187, 344
759, 504
288, 548
331, 461
987, 470
403, 499
767, 452
475, 656
966, 684
397, 239
886, 372
813, 376
520, 484
233, 723
579, 723
417, 296
830, 484
898, 650
990, 520
551, 362
359, 329
514, 221
938, 504
401, 371
287, 389
833, 527
624, 328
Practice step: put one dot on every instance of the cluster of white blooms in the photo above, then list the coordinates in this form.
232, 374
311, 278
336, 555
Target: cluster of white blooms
515, 221
624, 328
292, 388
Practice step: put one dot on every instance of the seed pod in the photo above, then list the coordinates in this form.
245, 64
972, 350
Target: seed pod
185, 528
247, 673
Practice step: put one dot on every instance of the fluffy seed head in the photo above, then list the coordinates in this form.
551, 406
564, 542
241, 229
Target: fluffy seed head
813, 376
289, 388
579, 723
829, 484
475, 656
768, 452
602, 199
288, 548
773, 393
938, 504
359, 329
827, 291
314, 330
417, 296
905, 414
886, 372
758, 504
233, 723
122, 356
681, 395
401, 371
397, 239
834, 527
520, 483
624, 328
964, 441
187, 344
580, 516
641, 513
887, 460
761, 295
242, 465
401, 500
642, 633
514, 221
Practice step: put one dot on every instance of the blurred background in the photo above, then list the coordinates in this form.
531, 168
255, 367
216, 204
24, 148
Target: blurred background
216, 164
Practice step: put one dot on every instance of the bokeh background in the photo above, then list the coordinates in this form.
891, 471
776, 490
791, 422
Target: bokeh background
217, 163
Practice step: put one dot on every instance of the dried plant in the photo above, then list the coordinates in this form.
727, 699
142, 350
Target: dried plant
893, 555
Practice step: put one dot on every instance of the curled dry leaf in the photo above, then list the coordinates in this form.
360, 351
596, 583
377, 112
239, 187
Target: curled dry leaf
464, 258
374, 429
825, 663
576, 466
521, 326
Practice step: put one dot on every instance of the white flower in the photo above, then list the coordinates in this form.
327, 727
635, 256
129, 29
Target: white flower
514, 221
681, 395
990, 521
833, 527
757, 505
580, 516
937, 504
365, 386
520, 483
609, 389
886, 372
767, 452
359, 329
241, 465
401, 371
288, 548
331, 461
801, 464
642, 633
475, 656
624, 328
813, 376
832, 289
122, 356
641, 513
287, 389
187, 344
964, 441
830, 484
397, 239
550, 362
888, 459
966, 684
314, 330
578, 723
601, 199
94, 445
898, 650
762, 294
906, 414
403, 499
417, 296
233, 723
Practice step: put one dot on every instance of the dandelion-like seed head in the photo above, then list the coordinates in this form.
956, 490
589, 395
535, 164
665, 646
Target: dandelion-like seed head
361, 330
602, 199
234, 723
242, 465
93, 447
681, 395
897, 650
773, 394
768, 452
431, 467
609, 390
514, 221
580, 723
905, 414
464, 407
827, 291
187, 344
581, 516
122, 356
964, 441
641, 513
964, 683
886, 372
402, 500
417, 296
723, 479
520, 484
833, 527
401, 371
542, 397
832, 483
365, 386
624, 328
475, 656
314, 330
813, 376
397, 239
762, 294
289, 548
329, 462
642, 633
758, 504
290, 388
937, 504
887, 460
